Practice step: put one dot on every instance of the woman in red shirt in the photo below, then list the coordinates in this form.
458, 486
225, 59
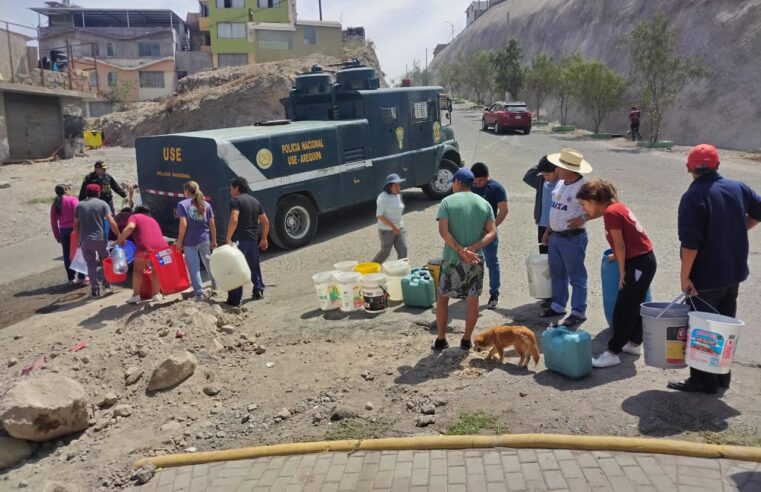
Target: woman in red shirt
633, 251
147, 236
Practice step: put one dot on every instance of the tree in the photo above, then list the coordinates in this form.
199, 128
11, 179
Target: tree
452, 75
419, 76
119, 93
598, 89
508, 73
658, 69
541, 78
564, 85
479, 71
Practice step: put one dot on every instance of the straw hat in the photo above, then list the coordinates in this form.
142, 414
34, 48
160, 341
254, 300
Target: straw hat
571, 160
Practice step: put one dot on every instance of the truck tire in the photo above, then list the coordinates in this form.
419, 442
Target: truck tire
440, 187
295, 222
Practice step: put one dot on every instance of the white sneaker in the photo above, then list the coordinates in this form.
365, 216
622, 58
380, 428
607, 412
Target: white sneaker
108, 291
134, 300
606, 359
157, 298
630, 348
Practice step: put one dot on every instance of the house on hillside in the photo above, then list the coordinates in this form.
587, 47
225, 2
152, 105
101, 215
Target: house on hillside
439, 48
239, 32
147, 49
475, 10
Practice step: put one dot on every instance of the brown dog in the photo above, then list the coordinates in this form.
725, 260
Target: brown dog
501, 337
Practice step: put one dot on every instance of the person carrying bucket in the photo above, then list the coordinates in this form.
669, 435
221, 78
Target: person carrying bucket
62, 214
90, 225
147, 236
715, 215
567, 239
197, 236
633, 251
389, 210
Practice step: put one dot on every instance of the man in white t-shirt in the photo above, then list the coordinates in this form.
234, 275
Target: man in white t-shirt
567, 239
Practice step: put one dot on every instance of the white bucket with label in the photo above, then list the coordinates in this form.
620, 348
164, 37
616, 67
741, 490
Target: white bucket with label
664, 330
374, 292
712, 342
351, 291
396, 271
346, 266
539, 277
327, 291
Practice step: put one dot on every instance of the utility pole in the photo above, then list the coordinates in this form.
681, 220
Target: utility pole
508, 27
452, 26
320, 4
426, 58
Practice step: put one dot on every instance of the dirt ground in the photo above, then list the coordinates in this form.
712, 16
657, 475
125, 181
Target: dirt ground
282, 367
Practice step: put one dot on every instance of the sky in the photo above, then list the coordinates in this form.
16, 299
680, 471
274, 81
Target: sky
401, 29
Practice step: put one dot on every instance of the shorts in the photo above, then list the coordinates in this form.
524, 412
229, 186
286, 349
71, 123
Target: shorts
458, 279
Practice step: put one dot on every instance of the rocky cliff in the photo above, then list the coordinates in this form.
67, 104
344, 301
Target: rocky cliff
724, 35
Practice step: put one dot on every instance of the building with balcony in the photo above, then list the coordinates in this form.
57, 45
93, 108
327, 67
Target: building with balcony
475, 10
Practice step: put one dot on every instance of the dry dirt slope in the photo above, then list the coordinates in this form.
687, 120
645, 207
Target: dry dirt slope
228, 97
724, 108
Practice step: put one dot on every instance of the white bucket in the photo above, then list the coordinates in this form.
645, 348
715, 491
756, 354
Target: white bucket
712, 342
78, 263
539, 277
351, 291
327, 291
346, 266
374, 296
664, 330
396, 271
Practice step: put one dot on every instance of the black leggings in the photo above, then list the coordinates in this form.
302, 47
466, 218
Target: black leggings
627, 322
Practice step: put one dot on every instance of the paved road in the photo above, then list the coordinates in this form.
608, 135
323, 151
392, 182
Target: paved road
461, 471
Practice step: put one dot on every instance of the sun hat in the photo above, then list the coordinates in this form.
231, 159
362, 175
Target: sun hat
394, 178
571, 160
703, 156
463, 175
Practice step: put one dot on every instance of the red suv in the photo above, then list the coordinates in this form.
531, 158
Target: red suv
507, 115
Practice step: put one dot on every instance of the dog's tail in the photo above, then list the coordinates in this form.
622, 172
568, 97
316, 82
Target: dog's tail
535, 352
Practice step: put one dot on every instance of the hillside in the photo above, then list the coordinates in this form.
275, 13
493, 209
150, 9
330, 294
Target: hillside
220, 98
725, 35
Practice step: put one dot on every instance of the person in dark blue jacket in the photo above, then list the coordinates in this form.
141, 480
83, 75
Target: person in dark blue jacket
715, 215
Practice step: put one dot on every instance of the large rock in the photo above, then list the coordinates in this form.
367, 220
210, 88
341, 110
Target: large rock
44, 408
173, 371
13, 450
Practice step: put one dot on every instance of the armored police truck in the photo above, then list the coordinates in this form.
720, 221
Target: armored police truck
343, 136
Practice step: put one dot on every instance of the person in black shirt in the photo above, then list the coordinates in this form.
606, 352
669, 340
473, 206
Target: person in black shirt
107, 183
246, 216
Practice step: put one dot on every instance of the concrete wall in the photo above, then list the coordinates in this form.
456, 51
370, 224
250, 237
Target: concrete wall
5, 151
55, 38
193, 61
16, 51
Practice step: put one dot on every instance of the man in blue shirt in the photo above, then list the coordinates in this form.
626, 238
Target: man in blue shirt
494, 193
715, 215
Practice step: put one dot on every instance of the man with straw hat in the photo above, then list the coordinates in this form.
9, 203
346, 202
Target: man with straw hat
567, 239
715, 215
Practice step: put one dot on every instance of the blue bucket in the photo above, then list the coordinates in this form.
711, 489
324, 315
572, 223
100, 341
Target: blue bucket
610, 278
129, 251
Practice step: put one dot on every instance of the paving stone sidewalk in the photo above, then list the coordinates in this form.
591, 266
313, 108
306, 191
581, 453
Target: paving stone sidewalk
464, 471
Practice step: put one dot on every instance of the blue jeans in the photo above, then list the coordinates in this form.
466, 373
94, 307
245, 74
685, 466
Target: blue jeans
567, 256
194, 255
492, 263
250, 250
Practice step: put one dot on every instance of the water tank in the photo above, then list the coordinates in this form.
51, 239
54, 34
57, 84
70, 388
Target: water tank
357, 78
314, 82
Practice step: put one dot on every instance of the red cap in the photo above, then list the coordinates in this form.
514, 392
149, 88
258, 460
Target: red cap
95, 188
703, 156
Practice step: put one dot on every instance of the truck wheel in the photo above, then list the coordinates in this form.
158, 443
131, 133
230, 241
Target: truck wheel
440, 186
295, 222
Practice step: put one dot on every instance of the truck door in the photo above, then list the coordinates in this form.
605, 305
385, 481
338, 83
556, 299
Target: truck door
358, 182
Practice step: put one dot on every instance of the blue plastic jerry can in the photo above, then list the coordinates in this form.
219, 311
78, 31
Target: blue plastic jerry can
567, 352
418, 289
610, 278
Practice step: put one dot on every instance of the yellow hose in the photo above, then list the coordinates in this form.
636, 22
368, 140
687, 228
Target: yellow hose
539, 441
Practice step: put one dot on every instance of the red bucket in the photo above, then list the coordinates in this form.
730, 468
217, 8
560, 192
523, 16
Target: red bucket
108, 272
146, 285
73, 244
171, 270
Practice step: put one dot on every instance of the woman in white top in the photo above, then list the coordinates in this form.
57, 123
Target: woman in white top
389, 211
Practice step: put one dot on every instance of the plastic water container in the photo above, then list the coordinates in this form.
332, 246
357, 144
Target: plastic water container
664, 338
110, 273
78, 263
345, 266
368, 268
567, 352
418, 289
434, 266
712, 341
327, 291
171, 270
129, 251
118, 261
351, 291
374, 292
539, 277
396, 271
610, 277
229, 268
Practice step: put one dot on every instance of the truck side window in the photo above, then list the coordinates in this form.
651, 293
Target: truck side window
389, 115
419, 111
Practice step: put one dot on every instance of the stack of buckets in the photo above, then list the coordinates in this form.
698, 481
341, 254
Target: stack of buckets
352, 286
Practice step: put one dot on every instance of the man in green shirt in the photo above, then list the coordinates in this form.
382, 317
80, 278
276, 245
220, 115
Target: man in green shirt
466, 223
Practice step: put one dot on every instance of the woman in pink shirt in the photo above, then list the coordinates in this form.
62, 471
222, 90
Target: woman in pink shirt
62, 213
147, 236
